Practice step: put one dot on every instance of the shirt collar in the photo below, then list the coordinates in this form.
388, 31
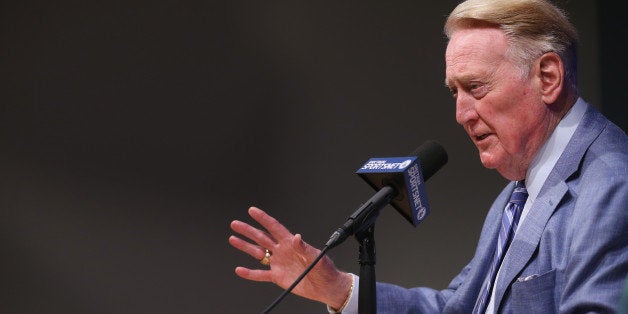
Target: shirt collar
548, 155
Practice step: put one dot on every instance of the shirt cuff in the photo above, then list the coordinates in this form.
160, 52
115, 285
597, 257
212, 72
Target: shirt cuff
351, 305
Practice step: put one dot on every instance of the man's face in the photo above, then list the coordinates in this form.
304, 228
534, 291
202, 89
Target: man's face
501, 110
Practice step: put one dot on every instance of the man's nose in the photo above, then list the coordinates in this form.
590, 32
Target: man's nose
465, 108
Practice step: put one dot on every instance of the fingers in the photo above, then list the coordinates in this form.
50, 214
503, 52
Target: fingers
255, 251
253, 274
274, 227
258, 236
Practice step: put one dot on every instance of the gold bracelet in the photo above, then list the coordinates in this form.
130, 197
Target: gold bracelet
348, 296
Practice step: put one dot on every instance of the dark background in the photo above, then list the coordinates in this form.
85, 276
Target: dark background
133, 132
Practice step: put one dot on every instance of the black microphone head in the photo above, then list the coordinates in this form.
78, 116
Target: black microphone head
432, 157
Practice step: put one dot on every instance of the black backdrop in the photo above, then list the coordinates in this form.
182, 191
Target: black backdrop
133, 132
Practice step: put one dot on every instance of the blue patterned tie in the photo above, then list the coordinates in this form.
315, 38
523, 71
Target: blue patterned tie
510, 219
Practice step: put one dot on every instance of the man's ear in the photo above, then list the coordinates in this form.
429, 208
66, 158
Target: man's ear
552, 76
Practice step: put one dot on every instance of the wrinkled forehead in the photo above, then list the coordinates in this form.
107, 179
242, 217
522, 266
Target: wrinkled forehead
470, 50
476, 41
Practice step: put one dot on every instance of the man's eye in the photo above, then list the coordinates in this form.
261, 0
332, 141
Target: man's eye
454, 93
477, 90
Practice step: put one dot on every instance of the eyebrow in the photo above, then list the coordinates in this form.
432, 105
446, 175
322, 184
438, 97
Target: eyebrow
463, 78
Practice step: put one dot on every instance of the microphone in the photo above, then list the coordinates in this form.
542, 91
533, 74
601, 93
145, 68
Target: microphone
399, 181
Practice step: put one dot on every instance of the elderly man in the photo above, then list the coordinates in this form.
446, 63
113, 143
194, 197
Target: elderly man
555, 239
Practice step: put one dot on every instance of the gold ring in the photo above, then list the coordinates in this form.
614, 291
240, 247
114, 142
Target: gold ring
266, 259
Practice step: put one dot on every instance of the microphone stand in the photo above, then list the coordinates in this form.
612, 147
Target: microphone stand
367, 301
365, 235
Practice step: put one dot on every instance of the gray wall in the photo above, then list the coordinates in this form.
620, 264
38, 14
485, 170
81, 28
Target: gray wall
133, 132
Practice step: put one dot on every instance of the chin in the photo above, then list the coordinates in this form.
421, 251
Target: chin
489, 160
503, 165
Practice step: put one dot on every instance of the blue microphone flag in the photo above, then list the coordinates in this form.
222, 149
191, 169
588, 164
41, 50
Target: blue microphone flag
405, 176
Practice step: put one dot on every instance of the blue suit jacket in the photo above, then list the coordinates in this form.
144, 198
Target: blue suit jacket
569, 255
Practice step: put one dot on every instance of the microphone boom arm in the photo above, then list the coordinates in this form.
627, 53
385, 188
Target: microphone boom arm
363, 217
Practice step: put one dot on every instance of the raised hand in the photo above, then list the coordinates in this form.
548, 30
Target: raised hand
290, 255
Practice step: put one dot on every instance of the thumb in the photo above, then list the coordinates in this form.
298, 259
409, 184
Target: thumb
302, 248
